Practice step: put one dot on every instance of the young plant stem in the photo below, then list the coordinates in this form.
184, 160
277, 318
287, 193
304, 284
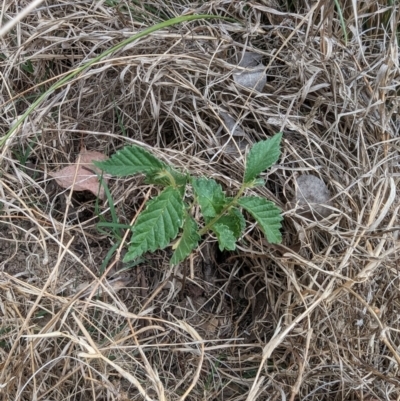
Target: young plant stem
233, 202
171, 178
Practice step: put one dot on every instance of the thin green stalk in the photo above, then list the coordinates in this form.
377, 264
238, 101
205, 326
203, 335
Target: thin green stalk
67, 78
233, 202
171, 178
342, 21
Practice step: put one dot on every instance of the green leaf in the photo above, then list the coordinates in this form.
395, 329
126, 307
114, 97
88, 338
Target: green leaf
187, 242
267, 215
262, 156
226, 238
210, 196
258, 182
157, 225
163, 177
234, 220
28, 67
131, 160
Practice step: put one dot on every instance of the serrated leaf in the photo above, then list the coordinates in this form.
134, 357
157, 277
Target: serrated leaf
210, 196
267, 215
262, 155
157, 225
226, 238
131, 160
187, 242
234, 220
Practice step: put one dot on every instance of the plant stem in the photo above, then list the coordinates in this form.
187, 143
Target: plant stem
171, 178
233, 202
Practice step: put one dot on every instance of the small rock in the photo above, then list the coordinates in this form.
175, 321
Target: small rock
252, 74
312, 197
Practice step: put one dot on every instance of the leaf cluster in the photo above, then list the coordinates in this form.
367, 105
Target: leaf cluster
170, 213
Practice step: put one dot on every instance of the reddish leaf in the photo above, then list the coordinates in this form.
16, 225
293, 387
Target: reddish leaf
82, 177
89, 156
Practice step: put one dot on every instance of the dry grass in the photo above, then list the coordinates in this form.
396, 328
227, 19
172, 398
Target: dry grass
316, 318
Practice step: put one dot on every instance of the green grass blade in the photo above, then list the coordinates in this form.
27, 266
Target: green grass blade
342, 21
115, 221
114, 226
79, 70
108, 257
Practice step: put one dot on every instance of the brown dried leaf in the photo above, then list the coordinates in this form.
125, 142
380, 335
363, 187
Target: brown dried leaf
232, 125
85, 180
252, 74
83, 176
87, 157
230, 145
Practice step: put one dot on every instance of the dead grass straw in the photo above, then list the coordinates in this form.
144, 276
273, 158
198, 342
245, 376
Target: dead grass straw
315, 318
